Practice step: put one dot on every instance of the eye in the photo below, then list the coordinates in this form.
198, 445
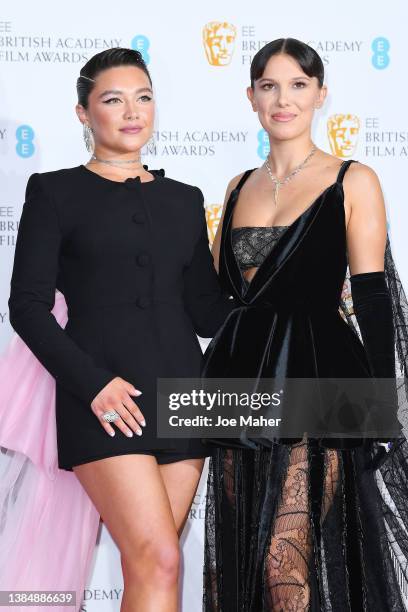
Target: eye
300, 84
145, 98
267, 86
110, 100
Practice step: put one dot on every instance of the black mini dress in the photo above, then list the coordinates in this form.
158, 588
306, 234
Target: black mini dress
133, 262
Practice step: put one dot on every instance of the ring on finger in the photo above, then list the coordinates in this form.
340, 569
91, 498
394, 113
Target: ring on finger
111, 416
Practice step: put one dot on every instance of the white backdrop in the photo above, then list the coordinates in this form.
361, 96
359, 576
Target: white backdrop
206, 132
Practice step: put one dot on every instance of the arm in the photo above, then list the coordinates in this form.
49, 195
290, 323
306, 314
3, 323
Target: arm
367, 226
366, 239
206, 303
215, 249
32, 297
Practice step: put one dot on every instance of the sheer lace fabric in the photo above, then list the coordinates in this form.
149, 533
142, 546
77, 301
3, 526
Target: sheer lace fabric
252, 244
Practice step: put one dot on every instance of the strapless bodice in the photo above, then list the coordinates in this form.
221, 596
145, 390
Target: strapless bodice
251, 245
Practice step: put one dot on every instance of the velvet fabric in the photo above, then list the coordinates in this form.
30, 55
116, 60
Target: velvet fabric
326, 530
372, 303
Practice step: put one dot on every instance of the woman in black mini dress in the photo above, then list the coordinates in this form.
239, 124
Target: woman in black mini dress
128, 248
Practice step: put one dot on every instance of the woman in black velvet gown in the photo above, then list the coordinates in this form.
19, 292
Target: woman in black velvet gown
306, 523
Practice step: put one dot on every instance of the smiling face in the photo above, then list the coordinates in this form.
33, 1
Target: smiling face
120, 110
285, 98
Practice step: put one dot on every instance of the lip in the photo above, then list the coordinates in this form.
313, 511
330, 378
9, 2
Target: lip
283, 117
131, 130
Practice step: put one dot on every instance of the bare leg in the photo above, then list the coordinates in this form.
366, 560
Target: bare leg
181, 480
129, 494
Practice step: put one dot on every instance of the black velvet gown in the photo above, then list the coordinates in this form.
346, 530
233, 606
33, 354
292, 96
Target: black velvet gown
303, 524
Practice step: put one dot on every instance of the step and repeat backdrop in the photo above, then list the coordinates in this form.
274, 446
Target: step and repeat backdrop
206, 133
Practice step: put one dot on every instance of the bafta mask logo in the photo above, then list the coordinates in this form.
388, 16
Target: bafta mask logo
213, 216
219, 41
342, 131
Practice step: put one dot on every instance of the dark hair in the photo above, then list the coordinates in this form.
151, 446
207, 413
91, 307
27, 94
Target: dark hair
110, 58
307, 58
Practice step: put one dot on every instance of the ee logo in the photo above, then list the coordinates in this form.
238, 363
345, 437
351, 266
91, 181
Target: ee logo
25, 136
380, 58
263, 144
141, 43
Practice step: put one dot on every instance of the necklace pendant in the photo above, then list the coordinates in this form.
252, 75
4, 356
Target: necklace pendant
281, 183
276, 193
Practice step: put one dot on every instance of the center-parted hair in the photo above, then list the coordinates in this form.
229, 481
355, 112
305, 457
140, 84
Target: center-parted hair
110, 58
307, 58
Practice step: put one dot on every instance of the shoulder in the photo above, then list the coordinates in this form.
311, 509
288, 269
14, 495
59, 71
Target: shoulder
233, 184
181, 190
362, 189
52, 179
180, 186
58, 175
43, 191
360, 177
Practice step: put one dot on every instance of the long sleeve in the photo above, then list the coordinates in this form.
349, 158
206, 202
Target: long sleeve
206, 303
32, 297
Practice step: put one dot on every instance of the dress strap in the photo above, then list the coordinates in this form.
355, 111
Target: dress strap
244, 178
343, 169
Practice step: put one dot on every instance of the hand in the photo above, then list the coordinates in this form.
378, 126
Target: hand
116, 396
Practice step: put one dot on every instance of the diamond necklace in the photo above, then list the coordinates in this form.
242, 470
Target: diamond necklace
117, 163
280, 183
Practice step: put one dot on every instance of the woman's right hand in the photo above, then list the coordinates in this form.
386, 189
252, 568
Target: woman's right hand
116, 396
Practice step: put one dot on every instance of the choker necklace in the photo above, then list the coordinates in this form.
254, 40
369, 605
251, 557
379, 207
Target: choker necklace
117, 163
280, 183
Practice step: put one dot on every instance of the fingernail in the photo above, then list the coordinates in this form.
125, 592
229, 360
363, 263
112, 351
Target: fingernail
139, 432
129, 434
111, 433
143, 423
137, 392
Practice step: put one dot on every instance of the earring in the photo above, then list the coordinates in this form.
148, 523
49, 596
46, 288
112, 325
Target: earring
88, 138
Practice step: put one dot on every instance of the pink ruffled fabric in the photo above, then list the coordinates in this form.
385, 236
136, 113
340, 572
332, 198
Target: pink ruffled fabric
48, 524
